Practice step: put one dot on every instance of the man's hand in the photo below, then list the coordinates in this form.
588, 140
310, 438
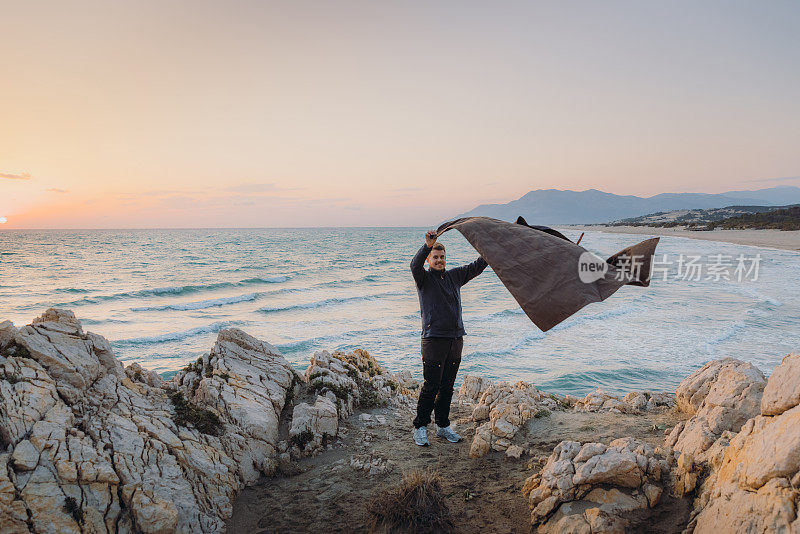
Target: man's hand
430, 238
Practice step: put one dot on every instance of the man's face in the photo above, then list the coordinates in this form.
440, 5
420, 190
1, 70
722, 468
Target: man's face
436, 259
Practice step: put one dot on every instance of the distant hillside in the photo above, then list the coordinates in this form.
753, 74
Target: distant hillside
554, 206
668, 219
782, 219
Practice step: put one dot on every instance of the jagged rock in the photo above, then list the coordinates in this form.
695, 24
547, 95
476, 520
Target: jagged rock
691, 394
579, 486
633, 402
25, 456
755, 486
472, 387
722, 396
248, 381
7, 333
136, 373
482, 442
506, 406
83, 435
353, 379
783, 387
405, 379
314, 424
56, 340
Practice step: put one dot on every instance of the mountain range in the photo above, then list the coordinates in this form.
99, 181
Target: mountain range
555, 206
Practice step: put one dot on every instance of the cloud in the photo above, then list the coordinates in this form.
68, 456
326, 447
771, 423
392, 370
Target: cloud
405, 189
780, 179
56, 190
252, 188
21, 176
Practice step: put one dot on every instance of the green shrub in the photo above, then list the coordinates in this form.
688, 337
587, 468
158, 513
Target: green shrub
302, 439
320, 387
17, 351
187, 413
72, 508
11, 379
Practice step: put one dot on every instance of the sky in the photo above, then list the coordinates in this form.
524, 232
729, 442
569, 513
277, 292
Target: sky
284, 114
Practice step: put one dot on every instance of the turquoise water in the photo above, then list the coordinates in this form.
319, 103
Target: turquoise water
161, 296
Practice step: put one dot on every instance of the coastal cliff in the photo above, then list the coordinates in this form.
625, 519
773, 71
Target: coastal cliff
240, 440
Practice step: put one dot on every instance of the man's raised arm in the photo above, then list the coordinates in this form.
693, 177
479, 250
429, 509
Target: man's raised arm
465, 273
418, 262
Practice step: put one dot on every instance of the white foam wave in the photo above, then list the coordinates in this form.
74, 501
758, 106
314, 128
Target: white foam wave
200, 304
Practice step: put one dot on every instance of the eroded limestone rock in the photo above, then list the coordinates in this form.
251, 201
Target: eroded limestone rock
505, 407
633, 402
93, 448
755, 487
722, 396
592, 487
783, 387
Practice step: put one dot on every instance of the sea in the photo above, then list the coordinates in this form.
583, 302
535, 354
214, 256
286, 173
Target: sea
161, 297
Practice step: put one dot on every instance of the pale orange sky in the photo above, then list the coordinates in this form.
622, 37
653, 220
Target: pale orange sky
187, 114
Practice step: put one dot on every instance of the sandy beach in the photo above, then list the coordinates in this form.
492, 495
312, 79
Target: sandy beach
787, 240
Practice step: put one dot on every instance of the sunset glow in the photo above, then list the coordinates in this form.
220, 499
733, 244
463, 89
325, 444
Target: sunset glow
133, 114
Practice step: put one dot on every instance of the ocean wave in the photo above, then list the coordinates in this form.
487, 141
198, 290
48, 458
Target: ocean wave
497, 315
262, 280
85, 321
326, 302
307, 344
613, 381
172, 290
511, 348
173, 336
201, 304
752, 293
582, 319
340, 283
727, 333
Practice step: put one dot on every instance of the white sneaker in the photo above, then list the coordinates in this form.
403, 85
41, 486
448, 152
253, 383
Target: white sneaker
449, 434
421, 436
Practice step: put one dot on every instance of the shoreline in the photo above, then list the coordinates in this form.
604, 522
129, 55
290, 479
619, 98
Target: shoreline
777, 239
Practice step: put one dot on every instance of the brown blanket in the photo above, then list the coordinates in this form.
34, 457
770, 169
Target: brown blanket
543, 272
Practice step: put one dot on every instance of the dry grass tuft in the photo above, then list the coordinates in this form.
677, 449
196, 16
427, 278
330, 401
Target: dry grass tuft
417, 505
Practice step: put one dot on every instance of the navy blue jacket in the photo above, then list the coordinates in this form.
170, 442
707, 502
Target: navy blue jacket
440, 294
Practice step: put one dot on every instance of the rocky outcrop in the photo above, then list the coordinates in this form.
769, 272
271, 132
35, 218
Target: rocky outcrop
593, 487
721, 396
313, 425
783, 387
339, 383
501, 411
96, 448
91, 446
755, 487
634, 402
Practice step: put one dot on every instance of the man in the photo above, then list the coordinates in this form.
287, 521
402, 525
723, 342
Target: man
439, 294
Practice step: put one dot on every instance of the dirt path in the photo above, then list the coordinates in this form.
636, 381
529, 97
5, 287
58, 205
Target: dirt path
328, 495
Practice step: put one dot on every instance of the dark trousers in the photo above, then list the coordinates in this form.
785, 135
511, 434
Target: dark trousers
441, 357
